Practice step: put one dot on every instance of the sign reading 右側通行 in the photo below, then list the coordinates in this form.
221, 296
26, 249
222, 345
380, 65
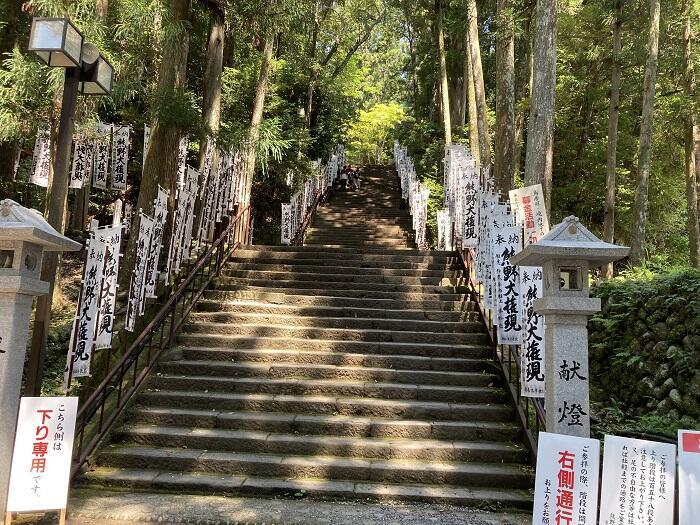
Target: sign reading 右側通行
566, 483
42, 454
638, 482
688, 477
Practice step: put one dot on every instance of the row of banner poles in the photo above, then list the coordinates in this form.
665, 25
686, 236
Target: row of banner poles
414, 193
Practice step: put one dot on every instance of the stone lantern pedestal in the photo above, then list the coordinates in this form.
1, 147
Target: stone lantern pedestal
24, 237
566, 254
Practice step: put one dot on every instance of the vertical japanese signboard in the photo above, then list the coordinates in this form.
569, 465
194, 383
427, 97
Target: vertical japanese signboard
101, 156
286, 223
160, 215
566, 482
688, 477
111, 238
39, 173
505, 244
82, 163
42, 455
120, 156
470, 233
638, 482
182, 160
146, 141
136, 290
529, 207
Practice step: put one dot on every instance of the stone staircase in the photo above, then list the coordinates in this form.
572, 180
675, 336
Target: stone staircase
358, 371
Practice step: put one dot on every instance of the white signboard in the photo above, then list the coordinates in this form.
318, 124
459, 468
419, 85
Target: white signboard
286, 223
85, 324
120, 156
688, 477
82, 163
182, 161
146, 140
160, 214
505, 244
42, 456
566, 481
136, 290
638, 482
530, 210
532, 335
443, 224
470, 232
101, 156
111, 238
41, 160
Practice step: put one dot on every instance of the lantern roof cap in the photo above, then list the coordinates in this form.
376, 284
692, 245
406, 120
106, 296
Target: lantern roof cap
569, 240
18, 223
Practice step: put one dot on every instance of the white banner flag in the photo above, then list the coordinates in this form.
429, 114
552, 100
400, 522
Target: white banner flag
101, 156
41, 160
41, 461
529, 208
505, 244
136, 290
182, 160
111, 237
120, 156
638, 482
160, 214
82, 163
85, 323
688, 477
470, 230
146, 141
532, 349
286, 223
566, 481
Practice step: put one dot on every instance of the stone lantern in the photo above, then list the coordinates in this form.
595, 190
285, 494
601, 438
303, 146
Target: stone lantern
566, 254
24, 237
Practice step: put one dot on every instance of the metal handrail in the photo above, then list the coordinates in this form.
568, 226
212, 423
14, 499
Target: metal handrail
101, 410
530, 411
321, 197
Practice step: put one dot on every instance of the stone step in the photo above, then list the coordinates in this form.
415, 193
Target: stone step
339, 359
328, 425
437, 280
211, 483
265, 292
328, 387
328, 405
333, 334
246, 441
342, 253
362, 374
337, 267
358, 244
477, 350
223, 282
354, 323
361, 300
347, 259
315, 467
469, 313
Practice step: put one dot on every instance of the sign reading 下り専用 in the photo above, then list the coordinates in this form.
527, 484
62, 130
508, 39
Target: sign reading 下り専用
688, 477
566, 483
638, 482
42, 456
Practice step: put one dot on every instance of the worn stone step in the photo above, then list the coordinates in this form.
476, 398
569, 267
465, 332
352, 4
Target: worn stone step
338, 277
317, 466
323, 371
211, 483
224, 282
329, 405
339, 269
328, 425
333, 334
343, 252
355, 323
393, 302
469, 313
339, 359
329, 387
358, 244
478, 349
346, 259
246, 441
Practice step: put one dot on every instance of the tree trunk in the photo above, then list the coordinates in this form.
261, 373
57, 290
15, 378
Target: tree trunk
503, 168
8, 155
641, 195
444, 87
471, 98
258, 108
540, 130
456, 80
613, 120
313, 69
160, 168
692, 161
523, 81
479, 89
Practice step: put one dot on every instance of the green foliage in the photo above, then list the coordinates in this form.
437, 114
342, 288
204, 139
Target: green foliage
645, 346
371, 136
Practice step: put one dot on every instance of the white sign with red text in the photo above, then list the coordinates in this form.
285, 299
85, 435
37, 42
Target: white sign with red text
638, 482
688, 477
42, 456
566, 483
